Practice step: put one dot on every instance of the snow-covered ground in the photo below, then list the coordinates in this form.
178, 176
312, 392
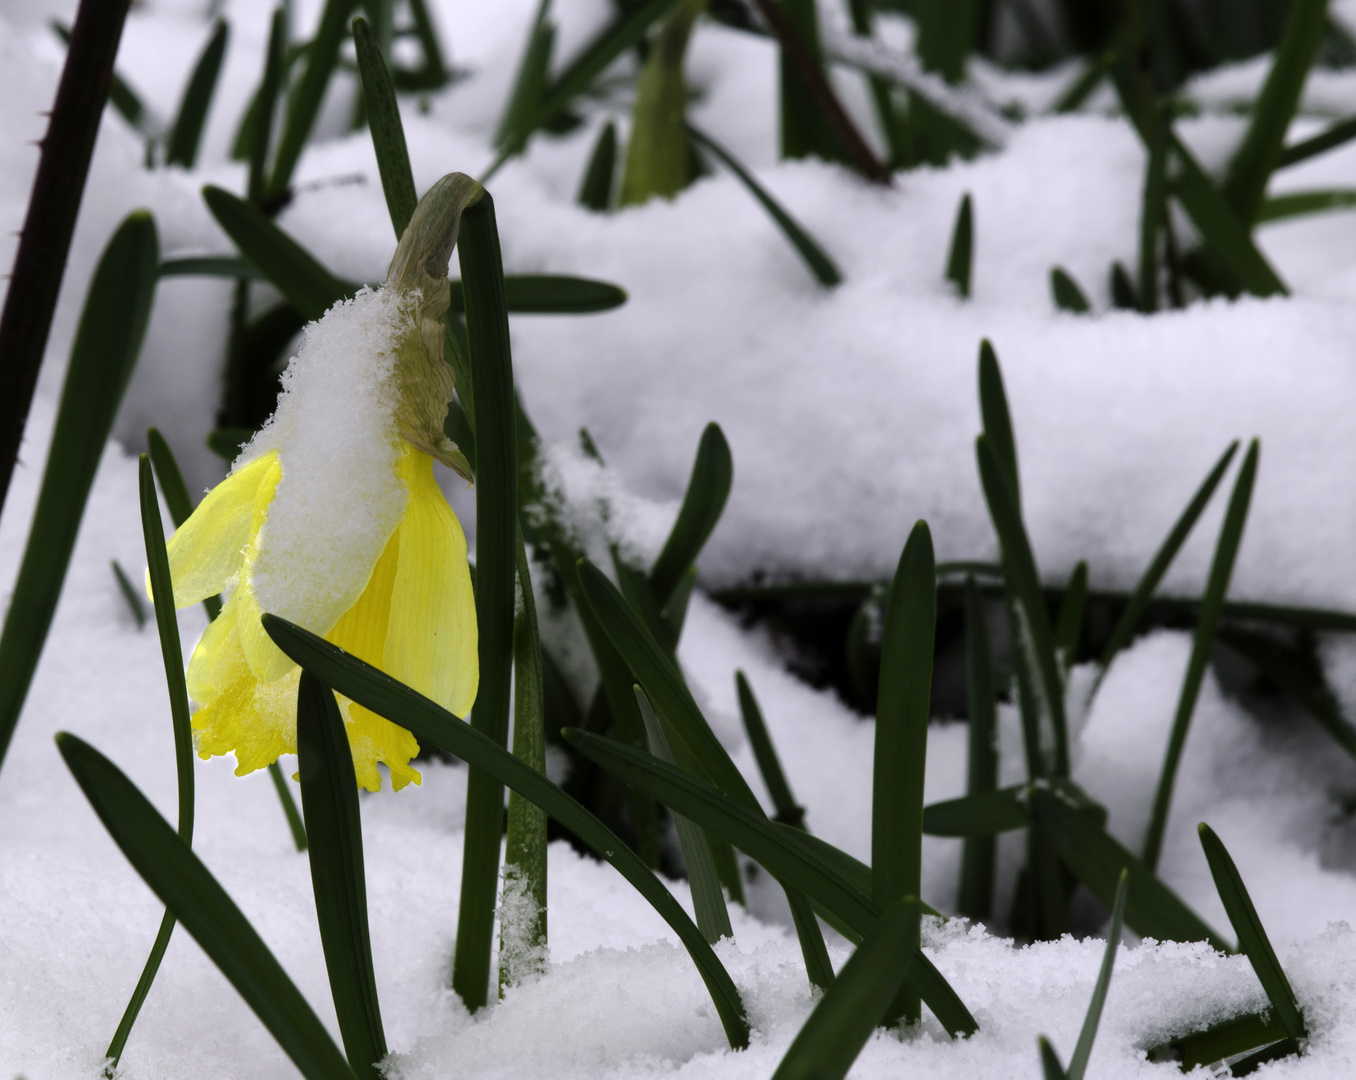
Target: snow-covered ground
850, 414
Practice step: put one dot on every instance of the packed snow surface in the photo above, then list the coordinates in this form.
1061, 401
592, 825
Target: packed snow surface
850, 413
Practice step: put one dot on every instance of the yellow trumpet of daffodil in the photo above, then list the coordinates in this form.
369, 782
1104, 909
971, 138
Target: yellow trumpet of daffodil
331, 518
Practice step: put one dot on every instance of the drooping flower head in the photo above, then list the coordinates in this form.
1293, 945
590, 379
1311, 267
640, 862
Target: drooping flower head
332, 519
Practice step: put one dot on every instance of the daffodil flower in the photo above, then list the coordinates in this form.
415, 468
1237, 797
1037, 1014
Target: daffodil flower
331, 518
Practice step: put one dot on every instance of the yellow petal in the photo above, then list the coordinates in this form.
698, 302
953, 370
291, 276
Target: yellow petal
207, 550
431, 632
217, 661
256, 721
362, 632
265, 659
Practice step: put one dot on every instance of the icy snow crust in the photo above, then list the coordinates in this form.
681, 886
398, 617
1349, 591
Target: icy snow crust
339, 500
850, 414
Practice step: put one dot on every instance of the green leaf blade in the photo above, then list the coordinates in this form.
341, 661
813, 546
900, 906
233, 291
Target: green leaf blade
713, 920
184, 137
1097, 859
329, 799
708, 489
1252, 937
1260, 152
431, 724
1212, 605
487, 333
1068, 294
960, 260
1078, 1064
388, 133
843, 1020
975, 894
298, 275
825, 270
902, 715
1144, 589
189, 890
107, 341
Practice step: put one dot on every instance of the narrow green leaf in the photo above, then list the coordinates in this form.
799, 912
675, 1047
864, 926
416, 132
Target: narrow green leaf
672, 700
1260, 151
1167, 551
487, 334
1212, 603
435, 726
329, 799
975, 895
190, 891
1227, 1039
805, 131
172, 486
533, 72
1078, 1064
823, 267
981, 814
167, 624
1252, 938
707, 899
844, 1018
1336, 134
674, 613
1067, 293
1123, 293
1152, 211
1301, 203
595, 190
388, 133
1253, 1062
1069, 624
258, 125
1084, 83
658, 162
708, 489
1297, 675
107, 341
294, 823
996, 418
787, 810
303, 105
1224, 234
228, 266
784, 852
616, 38
525, 838
129, 593
551, 294
961, 258
434, 74
306, 284
662, 683
1050, 1066
181, 147
1097, 859
1029, 602
903, 709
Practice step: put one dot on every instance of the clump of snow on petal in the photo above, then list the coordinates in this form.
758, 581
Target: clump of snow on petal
339, 499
